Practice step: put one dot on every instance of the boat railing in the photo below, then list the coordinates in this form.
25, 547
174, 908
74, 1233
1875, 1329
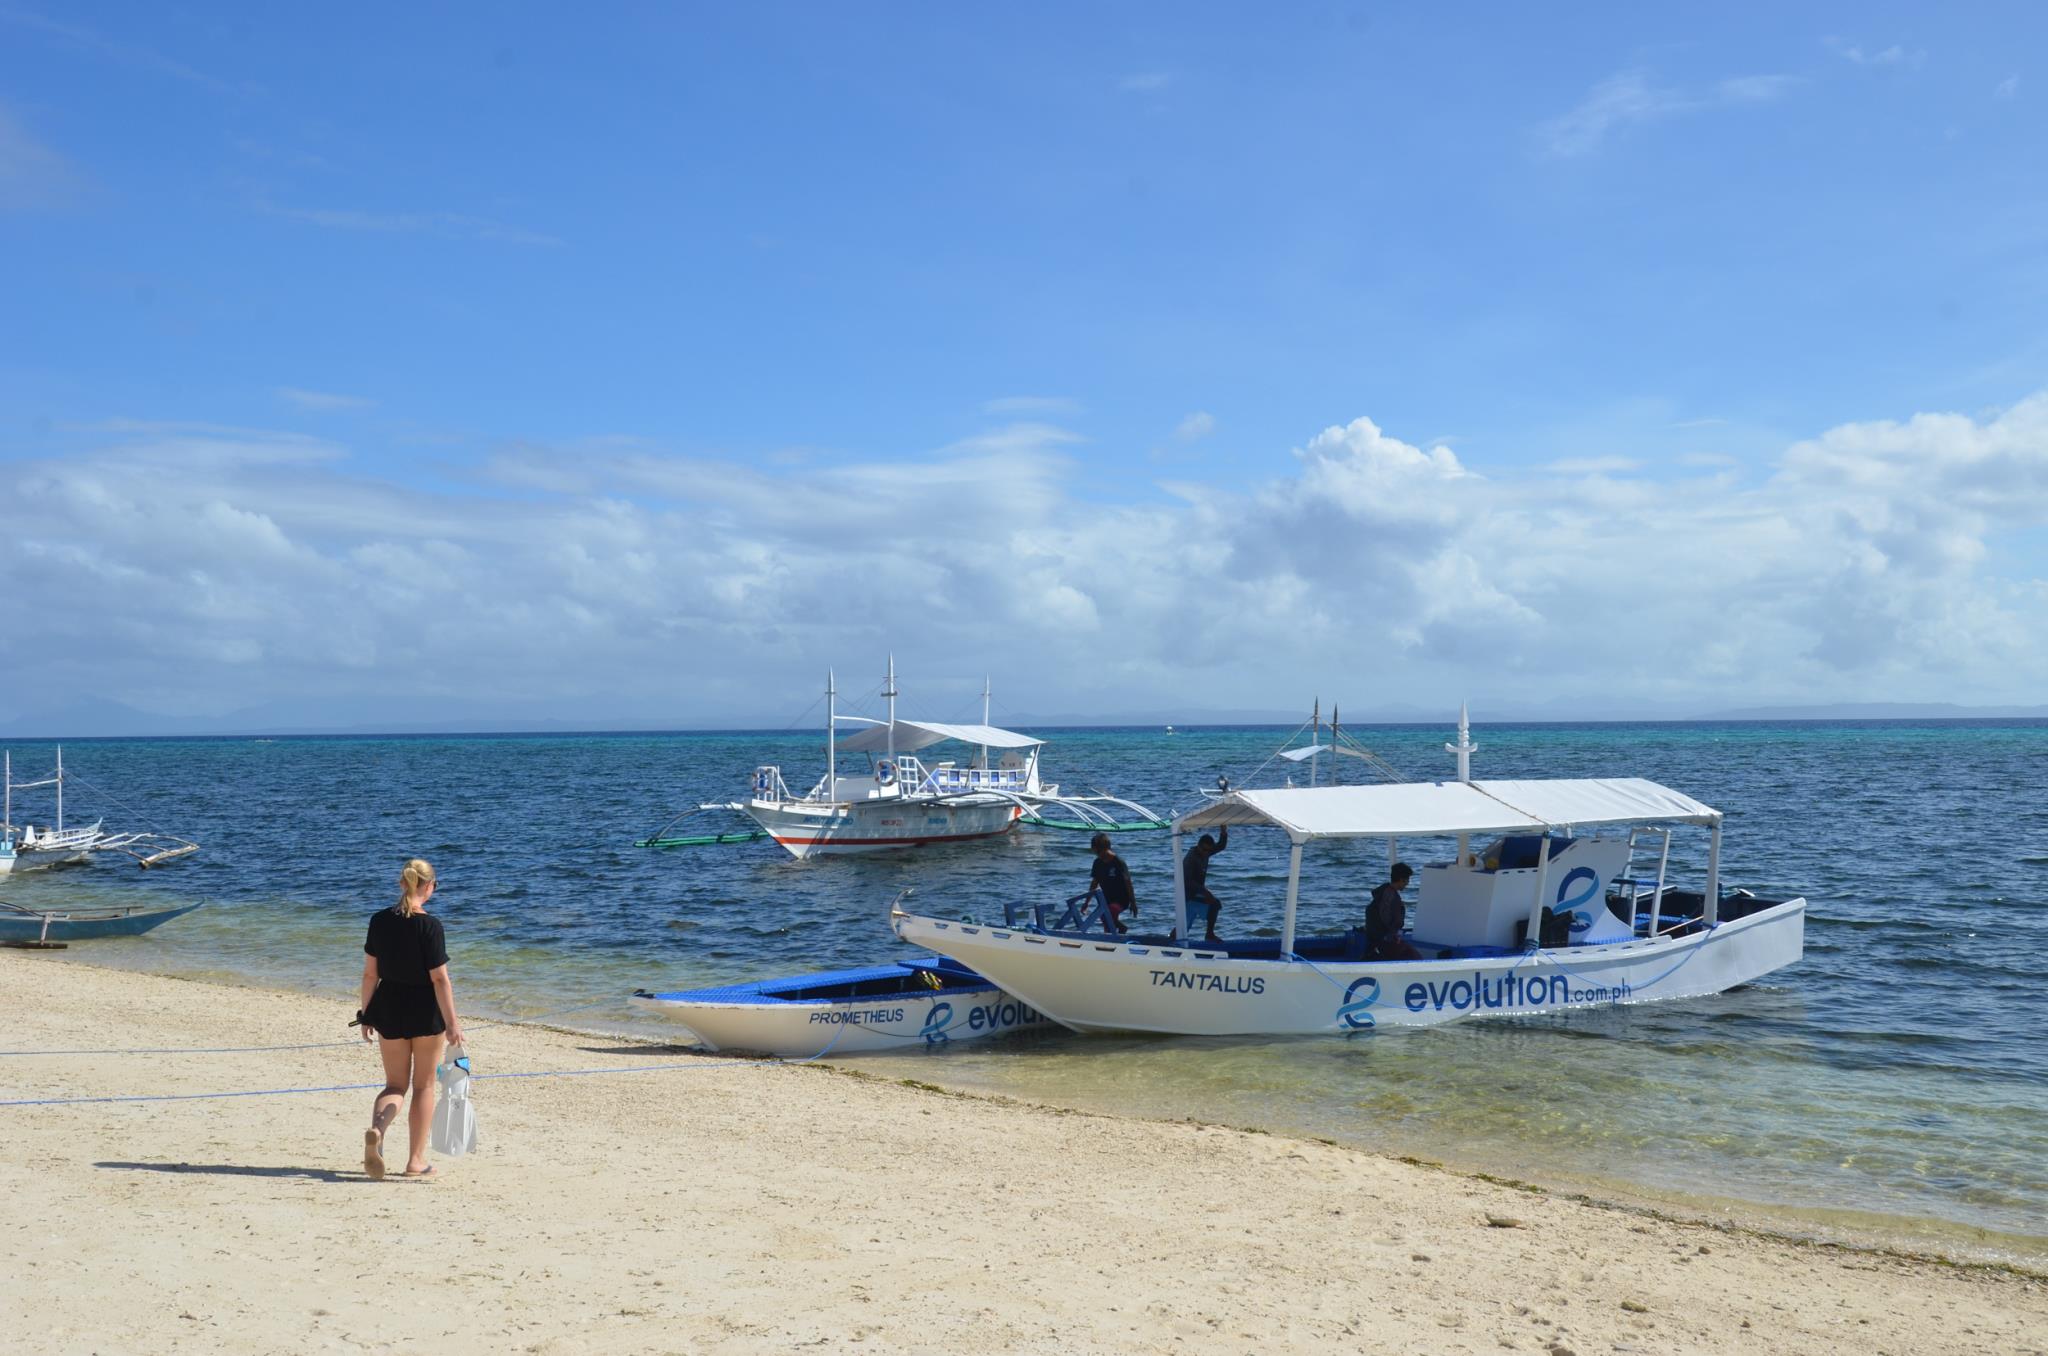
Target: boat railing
953, 781
768, 784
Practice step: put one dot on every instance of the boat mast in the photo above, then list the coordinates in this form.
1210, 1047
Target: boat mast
1464, 748
1315, 740
60, 787
831, 738
889, 691
984, 719
7, 816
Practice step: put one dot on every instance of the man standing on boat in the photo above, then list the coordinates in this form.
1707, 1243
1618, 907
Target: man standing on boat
1194, 873
1386, 916
1113, 878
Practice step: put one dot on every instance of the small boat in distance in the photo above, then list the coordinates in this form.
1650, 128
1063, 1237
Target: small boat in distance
902, 801
909, 1005
1550, 918
22, 926
27, 848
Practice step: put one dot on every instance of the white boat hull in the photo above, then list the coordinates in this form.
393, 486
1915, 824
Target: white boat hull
806, 1030
1112, 985
885, 825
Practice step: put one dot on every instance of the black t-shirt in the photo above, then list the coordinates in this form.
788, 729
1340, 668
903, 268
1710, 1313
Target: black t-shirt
1114, 877
406, 948
1385, 915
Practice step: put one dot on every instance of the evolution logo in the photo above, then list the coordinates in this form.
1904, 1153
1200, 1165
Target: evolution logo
1589, 882
1354, 1011
935, 1024
1507, 991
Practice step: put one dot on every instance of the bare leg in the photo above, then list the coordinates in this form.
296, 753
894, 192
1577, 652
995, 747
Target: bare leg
419, 1121
397, 1061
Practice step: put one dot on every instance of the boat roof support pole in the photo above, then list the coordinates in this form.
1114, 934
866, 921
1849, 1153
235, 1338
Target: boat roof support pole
1713, 911
1293, 899
1535, 937
1180, 905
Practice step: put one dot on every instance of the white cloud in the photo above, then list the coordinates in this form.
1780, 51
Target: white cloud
323, 402
455, 225
190, 567
1593, 466
32, 176
1195, 426
1894, 55
1030, 404
1630, 97
2008, 88
1145, 82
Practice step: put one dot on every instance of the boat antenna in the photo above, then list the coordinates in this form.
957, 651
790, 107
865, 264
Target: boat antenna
1464, 748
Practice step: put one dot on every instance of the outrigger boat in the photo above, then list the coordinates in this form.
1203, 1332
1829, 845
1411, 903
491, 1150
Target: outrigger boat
20, 926
909, 1005
1549, 919
26, 848
901, 801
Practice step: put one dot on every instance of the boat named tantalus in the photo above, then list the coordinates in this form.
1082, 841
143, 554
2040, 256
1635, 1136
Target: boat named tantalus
1626, 939
900, 801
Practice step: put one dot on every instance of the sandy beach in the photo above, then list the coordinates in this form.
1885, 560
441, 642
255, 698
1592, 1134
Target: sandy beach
707, 1205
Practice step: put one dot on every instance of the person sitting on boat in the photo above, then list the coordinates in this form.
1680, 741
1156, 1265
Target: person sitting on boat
1386, 916
1113, 878
1194, 875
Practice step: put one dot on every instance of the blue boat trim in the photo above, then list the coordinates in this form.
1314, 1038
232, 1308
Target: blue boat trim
898, 979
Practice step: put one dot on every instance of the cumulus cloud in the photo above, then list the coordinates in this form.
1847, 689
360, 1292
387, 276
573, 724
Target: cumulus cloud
1195, 426
193, 568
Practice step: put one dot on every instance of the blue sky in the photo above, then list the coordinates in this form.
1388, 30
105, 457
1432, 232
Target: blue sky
642, 363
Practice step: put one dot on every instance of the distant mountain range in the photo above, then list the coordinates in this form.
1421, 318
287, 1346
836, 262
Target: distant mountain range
96, 718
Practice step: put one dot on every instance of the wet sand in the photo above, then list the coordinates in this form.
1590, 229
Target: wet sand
708, 1205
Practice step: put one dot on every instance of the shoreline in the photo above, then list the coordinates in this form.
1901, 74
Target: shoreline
1911, 1237
717, 1204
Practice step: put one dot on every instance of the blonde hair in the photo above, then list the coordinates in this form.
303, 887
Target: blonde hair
412, 883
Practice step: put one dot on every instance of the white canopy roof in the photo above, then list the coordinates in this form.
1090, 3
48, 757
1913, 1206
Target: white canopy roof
1408, 809
912, 735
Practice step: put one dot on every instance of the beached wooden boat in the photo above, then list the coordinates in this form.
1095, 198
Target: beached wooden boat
908, 1005
23, 926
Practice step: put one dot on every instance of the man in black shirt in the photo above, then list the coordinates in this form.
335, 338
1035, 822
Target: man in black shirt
1113, 878
1194, 875
1385, 917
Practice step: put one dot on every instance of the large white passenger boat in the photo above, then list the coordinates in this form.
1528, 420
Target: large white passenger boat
902, 800
1550, 917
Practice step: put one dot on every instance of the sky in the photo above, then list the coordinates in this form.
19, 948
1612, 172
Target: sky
639, 365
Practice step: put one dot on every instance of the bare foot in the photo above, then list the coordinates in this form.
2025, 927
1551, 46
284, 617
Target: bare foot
373, 1155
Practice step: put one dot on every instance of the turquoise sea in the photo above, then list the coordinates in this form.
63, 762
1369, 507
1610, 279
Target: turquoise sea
1895, 1082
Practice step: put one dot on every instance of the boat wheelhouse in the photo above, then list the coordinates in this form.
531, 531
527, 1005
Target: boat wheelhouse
905, 798
1552, 916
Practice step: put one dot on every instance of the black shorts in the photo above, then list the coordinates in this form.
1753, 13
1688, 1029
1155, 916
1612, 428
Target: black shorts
399, 1012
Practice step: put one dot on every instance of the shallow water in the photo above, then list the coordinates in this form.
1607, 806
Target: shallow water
1896, 1072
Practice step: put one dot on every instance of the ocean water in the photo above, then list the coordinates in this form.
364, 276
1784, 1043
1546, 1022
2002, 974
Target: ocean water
1895, 1080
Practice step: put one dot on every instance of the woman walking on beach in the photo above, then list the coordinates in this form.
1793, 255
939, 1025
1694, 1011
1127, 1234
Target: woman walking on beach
409, 1003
